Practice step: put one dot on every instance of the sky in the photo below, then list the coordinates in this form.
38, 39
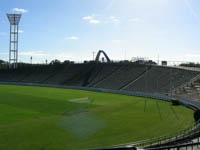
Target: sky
124, 29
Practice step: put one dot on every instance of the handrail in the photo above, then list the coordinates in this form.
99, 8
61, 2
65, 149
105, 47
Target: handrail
175, 146
173, 138
161, 138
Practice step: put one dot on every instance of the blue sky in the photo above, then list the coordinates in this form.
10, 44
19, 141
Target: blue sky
73, 29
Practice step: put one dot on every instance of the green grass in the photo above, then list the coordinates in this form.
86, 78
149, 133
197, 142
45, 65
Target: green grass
32, 118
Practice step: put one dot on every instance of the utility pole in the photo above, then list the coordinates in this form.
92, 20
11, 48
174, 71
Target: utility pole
93, 53
31, 60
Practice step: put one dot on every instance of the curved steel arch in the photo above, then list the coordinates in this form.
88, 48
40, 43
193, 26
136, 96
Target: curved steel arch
98, 56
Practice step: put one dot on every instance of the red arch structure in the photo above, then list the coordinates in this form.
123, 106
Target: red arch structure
98, 56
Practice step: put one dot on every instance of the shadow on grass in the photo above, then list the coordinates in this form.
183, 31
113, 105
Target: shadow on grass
80, 121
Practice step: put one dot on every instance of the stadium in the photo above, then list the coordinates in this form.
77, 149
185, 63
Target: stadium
123, 105
50, 101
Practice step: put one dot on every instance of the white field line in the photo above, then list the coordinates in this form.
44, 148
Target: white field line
78, 99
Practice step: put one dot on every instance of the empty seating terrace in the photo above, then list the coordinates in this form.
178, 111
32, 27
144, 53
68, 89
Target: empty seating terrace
122, 76
40, 74
102, 73
66, 73
161, 79
14, 75
119, 76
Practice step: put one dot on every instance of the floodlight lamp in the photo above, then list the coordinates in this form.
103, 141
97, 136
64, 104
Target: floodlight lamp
14, 18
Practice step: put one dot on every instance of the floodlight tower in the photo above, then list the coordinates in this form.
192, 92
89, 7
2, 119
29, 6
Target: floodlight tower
13, 46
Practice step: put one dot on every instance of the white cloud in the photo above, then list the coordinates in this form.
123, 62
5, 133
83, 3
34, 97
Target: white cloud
33, 53
136, 20
116, 41
61, 56
72, 38
91, 19
193, 55
87, 18
114, 20
21, 31
94, 21
150, 2
41, 56
20, 10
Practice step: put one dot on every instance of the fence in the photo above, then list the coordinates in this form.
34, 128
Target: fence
191, 145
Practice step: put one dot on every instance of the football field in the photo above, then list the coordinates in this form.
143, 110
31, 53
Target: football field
36, 118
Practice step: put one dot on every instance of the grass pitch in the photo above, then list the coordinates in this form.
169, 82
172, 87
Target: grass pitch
36, 118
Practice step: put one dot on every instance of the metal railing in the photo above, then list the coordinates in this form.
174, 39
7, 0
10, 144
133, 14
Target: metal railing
166, 138
191, 145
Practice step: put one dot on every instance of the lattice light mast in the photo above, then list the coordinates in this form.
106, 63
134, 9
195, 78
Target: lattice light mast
14, 20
